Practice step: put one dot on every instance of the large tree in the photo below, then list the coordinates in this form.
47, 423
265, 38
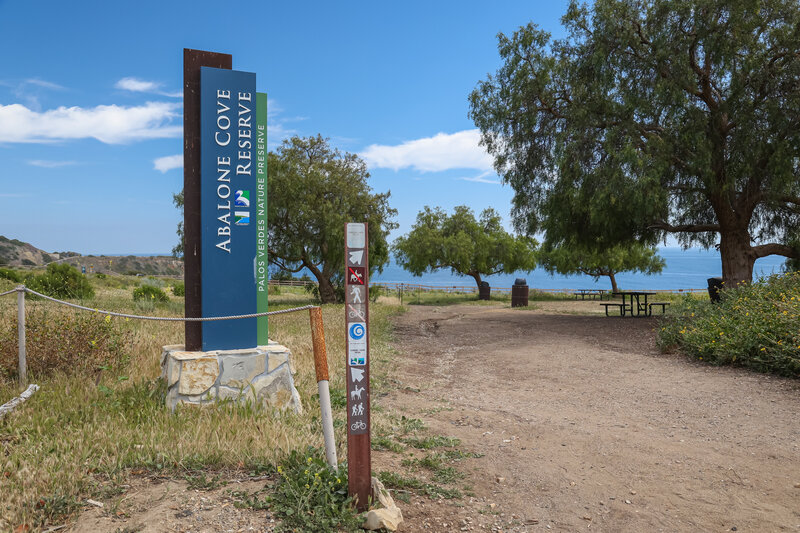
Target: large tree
572, 259
466, 246
654, 117
313, 189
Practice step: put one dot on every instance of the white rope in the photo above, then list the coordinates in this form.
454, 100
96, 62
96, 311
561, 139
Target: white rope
9, 406
17, 289
168, 319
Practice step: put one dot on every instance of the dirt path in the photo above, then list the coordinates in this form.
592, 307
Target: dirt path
585, 425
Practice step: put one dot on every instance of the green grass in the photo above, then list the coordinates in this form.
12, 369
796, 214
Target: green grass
82, 434
754, 326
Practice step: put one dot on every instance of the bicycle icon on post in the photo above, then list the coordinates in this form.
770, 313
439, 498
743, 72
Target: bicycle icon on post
355, 426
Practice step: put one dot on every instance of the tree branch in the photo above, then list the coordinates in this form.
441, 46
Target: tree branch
774, 249
688, 228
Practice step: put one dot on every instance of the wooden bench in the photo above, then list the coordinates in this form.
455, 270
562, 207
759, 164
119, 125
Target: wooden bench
622, 308
662, 304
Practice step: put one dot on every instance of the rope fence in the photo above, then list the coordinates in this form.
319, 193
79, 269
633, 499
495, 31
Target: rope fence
22, 289
317, 334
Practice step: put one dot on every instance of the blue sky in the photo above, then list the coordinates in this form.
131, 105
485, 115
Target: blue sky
91, 109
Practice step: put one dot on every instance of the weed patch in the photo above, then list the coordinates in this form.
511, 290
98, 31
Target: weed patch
310, 496
64, 342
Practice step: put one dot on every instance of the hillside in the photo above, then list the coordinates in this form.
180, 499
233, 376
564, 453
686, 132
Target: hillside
15, 253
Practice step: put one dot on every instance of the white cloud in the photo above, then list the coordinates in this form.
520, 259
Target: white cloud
50, 164
143, 86
481, 179
441, 152
111, 124
136, 85
45, 84
163, 164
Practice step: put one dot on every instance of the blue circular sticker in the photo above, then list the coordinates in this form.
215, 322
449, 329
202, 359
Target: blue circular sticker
357, 331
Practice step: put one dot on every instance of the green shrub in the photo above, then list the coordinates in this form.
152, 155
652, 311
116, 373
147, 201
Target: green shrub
63, 341
61, 280
754, 325
375, 292
179, 289
311, 497
100, 275
149, 293
11, 275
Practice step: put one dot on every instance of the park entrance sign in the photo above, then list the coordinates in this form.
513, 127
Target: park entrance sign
225, 248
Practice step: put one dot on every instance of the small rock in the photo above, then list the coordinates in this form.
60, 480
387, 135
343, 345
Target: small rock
500, 479
628, 502
797, 485
633, 492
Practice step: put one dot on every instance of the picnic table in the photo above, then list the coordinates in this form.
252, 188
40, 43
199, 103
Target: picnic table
641, 307
590, 293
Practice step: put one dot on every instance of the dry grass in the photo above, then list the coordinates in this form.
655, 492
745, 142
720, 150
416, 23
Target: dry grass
81, 436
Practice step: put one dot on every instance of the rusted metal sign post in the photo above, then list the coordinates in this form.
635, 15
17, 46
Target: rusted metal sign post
357, 362
193, 60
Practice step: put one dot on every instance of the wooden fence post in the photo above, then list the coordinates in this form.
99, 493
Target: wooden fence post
23, 363
321, 367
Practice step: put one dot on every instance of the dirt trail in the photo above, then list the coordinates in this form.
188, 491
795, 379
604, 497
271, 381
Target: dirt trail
585, 425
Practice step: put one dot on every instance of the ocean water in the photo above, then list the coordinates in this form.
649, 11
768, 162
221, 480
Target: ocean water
685, 269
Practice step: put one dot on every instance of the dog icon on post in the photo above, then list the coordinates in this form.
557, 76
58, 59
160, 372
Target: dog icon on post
355, 394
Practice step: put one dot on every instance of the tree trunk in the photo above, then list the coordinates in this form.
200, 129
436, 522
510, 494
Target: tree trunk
613, 279
477, 276
738, 258
327, 293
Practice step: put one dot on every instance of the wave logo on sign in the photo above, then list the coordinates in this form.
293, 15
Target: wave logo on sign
357, 331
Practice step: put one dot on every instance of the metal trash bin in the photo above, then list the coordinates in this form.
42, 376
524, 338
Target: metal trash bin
484, 291
714, 286
519, 293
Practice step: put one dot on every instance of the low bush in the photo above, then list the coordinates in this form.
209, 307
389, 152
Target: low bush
61, 280
63, 342
11, 275
149, 293
311, 497
754, 325
179, 289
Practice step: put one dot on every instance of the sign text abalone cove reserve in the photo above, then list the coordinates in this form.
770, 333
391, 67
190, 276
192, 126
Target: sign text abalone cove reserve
228, 155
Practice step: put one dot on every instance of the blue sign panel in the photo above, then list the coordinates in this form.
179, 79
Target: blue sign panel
227, 200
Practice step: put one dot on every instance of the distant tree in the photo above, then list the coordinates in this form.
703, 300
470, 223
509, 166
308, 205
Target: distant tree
313, 190
177, 250
466, 246
654, 117
573, 259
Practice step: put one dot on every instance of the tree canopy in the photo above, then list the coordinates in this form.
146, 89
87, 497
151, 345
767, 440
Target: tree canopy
466, 246
654, 117
609, 262
313, 189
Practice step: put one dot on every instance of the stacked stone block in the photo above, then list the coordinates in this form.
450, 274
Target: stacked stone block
261, 375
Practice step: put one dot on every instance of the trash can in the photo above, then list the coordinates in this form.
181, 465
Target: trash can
714, 286
519, 293
484, 291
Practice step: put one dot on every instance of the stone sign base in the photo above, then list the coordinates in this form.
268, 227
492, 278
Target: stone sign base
261, 375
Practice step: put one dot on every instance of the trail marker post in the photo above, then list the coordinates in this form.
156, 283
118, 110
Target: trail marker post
357, 362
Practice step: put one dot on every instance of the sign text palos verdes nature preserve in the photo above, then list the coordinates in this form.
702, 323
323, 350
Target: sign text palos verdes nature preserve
230, 178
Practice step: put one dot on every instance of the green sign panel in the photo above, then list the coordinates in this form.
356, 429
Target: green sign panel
262, 279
